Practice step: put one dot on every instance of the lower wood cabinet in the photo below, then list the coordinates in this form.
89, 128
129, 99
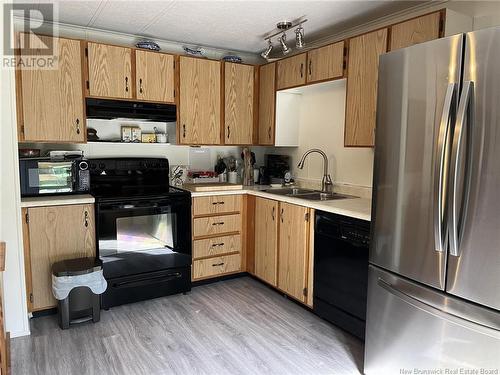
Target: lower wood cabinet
283, 251
52, 234
266, 240
293, 250
218, 236
211, 267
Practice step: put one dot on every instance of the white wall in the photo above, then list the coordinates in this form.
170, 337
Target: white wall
177, 155
16, 314
321, 125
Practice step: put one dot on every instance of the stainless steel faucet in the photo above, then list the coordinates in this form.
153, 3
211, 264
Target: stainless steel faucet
326, 182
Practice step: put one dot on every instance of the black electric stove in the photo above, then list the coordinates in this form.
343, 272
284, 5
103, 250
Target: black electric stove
143, 229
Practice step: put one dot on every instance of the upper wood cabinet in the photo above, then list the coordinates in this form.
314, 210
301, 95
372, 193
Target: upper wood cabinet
293, 250
50, 101
267, 103
52, 234
362, 83
416, 30
110, 71
238, 103
154, 76
266, 240
325, 63
291, 71
199, 107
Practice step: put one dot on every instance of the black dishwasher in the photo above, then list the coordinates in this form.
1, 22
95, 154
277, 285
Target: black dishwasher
341, 270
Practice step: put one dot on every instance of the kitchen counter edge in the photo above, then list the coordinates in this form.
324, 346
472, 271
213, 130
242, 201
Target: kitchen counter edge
59, 200
359, 208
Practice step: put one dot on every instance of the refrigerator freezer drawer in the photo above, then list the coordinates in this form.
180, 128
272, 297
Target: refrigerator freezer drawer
414, 327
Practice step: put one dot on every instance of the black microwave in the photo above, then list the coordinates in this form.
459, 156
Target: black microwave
46, 176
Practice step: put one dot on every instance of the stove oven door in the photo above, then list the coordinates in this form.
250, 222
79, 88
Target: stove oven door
139, 236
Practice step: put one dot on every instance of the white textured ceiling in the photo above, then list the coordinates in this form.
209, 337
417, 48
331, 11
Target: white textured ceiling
231, 25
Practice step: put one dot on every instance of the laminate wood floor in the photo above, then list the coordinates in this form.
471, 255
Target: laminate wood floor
237, 326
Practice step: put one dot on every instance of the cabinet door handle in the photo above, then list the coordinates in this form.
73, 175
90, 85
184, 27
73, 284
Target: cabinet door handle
86, 218
228, 132
218, 223
184, 131
310, 67
301, 70
217, 264
140, 85
274, 209
282, 214
77, 126
126, 84
215, 203
269, 133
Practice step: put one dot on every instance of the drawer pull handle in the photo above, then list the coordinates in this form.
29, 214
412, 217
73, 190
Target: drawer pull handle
218, 223
215, 203
218, 244
217, 264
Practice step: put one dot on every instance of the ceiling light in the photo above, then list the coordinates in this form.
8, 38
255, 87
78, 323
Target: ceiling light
299, 37
284, 25
268, 50
284, 47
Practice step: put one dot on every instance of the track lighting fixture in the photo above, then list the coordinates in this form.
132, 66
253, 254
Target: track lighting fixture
281, 29
268, 50
284, 47
299, 37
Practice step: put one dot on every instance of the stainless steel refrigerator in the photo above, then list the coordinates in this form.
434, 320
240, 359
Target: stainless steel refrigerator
434, 274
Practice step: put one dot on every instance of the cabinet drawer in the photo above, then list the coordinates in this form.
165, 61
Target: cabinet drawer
216, 246
207, 226
217, 204
210, 267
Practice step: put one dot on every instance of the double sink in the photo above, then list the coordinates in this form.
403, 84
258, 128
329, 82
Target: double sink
312, 195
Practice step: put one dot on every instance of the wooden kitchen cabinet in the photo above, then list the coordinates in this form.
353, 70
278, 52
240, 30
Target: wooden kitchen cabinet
238, 103
266, 240
362, 83
199, 108
325, 63
291, 71
109, 71
154, 76
267, 104
293, 250
52, 234
50, 102
416, 30
218, 236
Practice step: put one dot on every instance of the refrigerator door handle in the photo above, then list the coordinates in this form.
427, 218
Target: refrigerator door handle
466, 320
439, 172
455, 218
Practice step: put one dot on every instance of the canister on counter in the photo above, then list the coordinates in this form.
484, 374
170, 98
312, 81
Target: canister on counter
126, 133
148, 138
136, 134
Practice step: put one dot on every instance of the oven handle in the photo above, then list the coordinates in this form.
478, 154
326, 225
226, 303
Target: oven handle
130, 206
147, 281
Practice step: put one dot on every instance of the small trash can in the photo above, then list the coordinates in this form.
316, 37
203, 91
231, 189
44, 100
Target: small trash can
77, 285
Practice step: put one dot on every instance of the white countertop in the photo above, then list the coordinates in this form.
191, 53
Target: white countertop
359, 208
56, 200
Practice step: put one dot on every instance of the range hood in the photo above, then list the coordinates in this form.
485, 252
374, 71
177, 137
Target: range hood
113, 109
